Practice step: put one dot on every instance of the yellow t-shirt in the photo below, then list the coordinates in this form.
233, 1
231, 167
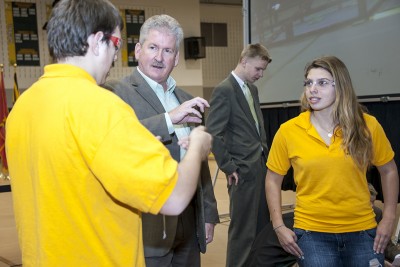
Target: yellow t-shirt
332, 192
82, 170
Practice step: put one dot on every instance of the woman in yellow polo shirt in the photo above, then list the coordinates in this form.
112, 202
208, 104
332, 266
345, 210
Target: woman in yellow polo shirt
330, 146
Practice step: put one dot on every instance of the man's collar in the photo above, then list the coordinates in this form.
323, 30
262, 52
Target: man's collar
171, 83
239, 81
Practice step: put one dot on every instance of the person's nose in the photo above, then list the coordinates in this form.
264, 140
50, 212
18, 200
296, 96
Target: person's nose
313, 89
159, 55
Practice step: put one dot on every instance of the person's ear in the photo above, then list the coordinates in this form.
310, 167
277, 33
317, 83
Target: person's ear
243, 62
138, 48
95, 42
176, 59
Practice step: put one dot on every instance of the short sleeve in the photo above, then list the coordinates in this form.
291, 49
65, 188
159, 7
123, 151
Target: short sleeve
278, 159
134, 167
382, 149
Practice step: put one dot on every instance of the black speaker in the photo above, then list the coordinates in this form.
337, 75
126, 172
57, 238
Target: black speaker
195, 47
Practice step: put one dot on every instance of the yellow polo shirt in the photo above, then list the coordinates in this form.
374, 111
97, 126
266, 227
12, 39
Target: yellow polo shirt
332, 192
82, 170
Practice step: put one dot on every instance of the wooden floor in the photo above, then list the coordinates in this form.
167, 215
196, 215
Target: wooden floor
216, 251
9, 250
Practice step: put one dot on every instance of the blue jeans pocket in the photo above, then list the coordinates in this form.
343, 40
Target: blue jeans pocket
300, 233
371, 233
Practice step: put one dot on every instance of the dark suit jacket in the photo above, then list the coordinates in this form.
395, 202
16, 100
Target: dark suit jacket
135, 91
236, 142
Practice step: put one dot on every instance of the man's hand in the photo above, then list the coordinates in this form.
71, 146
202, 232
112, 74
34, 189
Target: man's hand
232, 176
184, 142
189, 111
200, 140
209, 232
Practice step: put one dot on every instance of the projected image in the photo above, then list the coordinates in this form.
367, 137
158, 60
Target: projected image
365, 34
288, 20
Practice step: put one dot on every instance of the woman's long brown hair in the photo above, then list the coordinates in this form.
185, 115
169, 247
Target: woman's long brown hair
347, 111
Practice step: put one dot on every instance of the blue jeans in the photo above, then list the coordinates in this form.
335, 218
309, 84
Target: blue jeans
354, 249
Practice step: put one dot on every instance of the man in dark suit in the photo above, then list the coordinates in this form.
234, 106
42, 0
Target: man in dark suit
240, 149
163, 109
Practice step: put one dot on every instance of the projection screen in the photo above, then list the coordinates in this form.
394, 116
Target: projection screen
364, 34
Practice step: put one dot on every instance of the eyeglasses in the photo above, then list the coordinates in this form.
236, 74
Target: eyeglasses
117, 42
320, 83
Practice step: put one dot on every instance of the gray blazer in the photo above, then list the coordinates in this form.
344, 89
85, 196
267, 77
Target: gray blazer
135, 91
236, 142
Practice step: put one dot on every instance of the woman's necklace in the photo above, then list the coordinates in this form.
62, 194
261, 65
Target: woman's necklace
330, 133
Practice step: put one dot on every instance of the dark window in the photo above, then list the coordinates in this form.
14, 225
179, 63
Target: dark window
216, 34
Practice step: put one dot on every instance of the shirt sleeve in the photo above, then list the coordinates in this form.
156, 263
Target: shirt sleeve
382, 149
170, 126
278, 159
134, 167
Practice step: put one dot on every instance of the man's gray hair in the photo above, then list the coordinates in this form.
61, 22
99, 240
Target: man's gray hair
162, 23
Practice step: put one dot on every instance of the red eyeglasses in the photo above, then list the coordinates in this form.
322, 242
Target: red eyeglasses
117, 42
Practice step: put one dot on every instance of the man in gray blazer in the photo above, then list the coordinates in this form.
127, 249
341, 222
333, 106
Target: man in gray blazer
239, 145
163, 109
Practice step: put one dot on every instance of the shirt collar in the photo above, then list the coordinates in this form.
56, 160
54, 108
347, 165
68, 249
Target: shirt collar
240, 81
60, 69
303, 120
171, 83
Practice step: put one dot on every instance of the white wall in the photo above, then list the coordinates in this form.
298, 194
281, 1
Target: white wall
26, 75
220, 61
